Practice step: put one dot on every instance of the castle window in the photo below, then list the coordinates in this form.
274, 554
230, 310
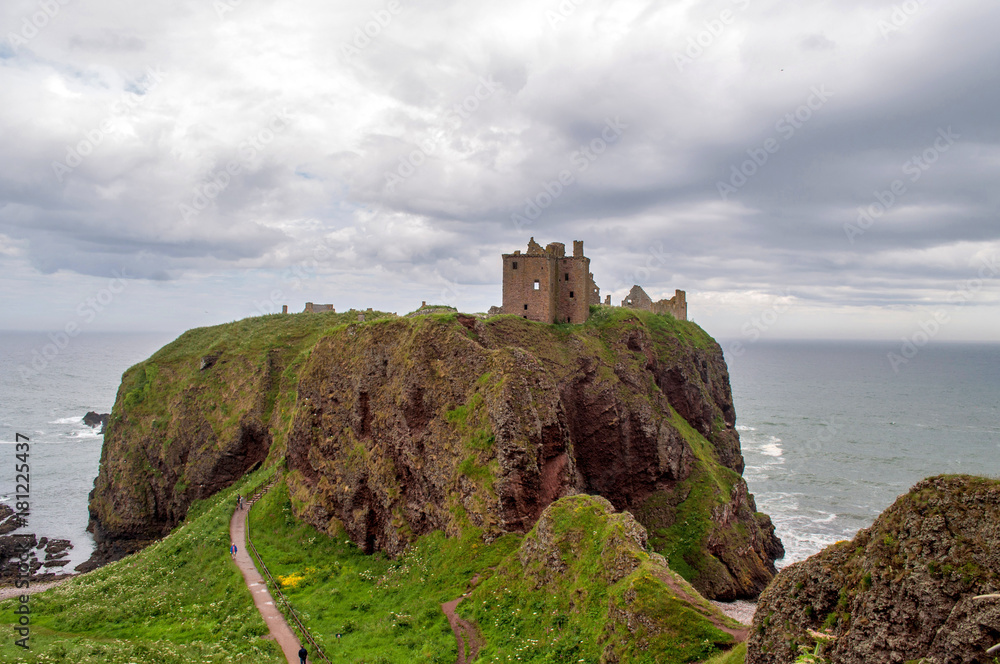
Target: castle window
514, 265
569, 319
538, 285
571, 293
567, 277
525, 307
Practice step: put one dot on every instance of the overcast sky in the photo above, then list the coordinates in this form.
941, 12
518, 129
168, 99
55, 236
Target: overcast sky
801, 169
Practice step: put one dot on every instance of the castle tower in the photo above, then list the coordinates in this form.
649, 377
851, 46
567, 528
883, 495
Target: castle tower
547, 286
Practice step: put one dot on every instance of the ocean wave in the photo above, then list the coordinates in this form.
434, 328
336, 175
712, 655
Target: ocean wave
799, 545
779, 502
743, 427
68, 420
772, 447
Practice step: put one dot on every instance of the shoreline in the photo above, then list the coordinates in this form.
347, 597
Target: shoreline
7, 592
741, 610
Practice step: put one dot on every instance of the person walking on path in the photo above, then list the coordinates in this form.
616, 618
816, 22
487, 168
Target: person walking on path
232, 550
302, 654
239, 502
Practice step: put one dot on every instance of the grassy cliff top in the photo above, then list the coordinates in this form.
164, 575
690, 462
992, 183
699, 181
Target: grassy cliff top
281, 344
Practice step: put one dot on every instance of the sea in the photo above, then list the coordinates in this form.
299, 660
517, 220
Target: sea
832, 432
47, 385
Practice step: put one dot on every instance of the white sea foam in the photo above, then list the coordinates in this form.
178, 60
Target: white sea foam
772, 448
743, 427
77, 419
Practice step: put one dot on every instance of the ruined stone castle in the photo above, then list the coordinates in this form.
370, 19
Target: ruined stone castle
676, 306
547, 286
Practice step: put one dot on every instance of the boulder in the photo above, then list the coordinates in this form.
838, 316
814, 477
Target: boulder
921, 584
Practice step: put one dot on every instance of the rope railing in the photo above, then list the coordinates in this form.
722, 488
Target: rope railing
257, 494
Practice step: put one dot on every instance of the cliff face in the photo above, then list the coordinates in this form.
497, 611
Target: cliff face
919, 584
396, 427
189, 421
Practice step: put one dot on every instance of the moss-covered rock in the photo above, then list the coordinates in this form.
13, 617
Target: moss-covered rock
912, 587
595, 593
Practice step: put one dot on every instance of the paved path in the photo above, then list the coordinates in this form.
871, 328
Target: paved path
280, 631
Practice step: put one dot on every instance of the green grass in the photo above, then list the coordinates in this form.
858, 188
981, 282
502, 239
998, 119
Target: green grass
246, 350
661, 326
529, 613
180, 600
387, 611
735, 656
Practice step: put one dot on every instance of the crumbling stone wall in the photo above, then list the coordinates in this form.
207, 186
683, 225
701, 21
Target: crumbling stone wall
675, 306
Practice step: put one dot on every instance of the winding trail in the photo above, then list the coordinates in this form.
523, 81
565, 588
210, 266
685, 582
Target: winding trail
467, 637
276, 624
739, 635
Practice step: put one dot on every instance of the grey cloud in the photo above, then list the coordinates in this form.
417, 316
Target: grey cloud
363, 117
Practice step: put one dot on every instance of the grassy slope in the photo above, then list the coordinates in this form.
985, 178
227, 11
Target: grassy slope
152, 388
532, 615
181, 600
735, 656
386, 610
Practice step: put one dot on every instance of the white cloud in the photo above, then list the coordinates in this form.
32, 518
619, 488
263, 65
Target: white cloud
477, 110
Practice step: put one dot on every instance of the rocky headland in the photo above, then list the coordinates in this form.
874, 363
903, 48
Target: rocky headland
395, 427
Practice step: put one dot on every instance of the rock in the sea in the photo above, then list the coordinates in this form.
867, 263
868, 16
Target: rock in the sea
920, 585
92, 419
9, 519
16, 550
12, 548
